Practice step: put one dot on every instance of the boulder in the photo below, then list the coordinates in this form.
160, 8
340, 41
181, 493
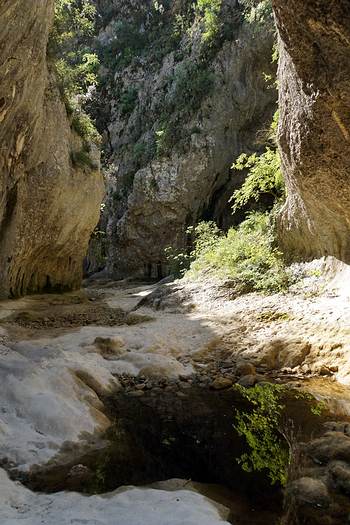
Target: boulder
220, 383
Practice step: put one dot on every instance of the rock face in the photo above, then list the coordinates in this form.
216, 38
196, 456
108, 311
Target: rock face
319, 494
177, 116
48, 208
314, 136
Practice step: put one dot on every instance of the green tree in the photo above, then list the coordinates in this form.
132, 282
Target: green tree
75, 65
70, 45
264, 173
210, 11
264, 177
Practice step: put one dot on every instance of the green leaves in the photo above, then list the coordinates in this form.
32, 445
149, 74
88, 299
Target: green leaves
75, 65
264, 176
264, 173
257, 12
210, 10
260, 428
245, 255
128, 100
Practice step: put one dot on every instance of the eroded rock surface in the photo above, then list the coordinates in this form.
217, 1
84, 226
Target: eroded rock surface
48, 208
319, 494
314, 80
174, 123
125, 506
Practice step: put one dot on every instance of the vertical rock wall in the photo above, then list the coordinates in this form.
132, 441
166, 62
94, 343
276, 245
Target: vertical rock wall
314, 135
48, 208
155, 193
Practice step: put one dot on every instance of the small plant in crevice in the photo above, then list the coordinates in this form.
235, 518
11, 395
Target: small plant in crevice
82, 124
144, 152
128, 101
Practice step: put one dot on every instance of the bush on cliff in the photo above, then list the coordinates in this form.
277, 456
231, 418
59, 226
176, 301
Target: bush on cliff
74, 64
264, 178
246, 255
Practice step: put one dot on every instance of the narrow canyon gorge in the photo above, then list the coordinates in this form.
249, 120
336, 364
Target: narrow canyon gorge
174, 251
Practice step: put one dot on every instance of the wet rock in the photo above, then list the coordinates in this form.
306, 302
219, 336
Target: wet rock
247, 381
331, 446
309, 491
338, 426
280, 353
220, 383
244, 368
78, 476
136, 393
325, 371
259, 378
339, 476
226, 365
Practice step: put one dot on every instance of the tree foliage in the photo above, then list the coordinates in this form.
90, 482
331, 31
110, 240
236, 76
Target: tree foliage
260, 426
245, 255
264, 177
264, 173
73, 28
210, 11
75, 65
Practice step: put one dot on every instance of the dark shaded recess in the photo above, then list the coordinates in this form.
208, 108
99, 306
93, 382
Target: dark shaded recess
11, 202
220, 211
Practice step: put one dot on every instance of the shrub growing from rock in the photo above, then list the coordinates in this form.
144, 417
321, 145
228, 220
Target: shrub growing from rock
246, 255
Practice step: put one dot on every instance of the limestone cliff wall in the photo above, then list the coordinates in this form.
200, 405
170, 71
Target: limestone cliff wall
156, 190
314, 135
48, 208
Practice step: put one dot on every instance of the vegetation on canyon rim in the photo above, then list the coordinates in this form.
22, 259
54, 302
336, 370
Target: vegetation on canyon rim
76, 67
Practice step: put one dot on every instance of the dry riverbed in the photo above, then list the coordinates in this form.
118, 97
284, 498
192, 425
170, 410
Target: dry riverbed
130, 383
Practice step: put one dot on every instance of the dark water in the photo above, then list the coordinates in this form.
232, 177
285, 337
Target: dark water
183, 433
